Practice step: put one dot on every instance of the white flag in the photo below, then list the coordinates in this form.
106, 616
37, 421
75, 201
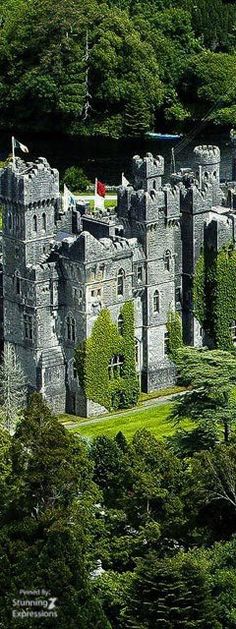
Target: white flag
69, 198
124, 181
19, 145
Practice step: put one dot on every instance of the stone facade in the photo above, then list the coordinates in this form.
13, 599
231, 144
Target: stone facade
62, 266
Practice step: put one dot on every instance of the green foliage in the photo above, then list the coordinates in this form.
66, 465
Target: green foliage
212, 377
92, 360
172, 592
214, 295
174, 327
75, 178
146, 62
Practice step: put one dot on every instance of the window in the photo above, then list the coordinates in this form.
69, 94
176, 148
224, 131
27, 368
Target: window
233, 331
44, 221
18, 283
9, 220
154, 185
167, 258
140, 274
136, 351
120, 324
35, 223
120, 282
115, 367
166, 343
70, 328
156, 301
28, 327
178, 294
92, 293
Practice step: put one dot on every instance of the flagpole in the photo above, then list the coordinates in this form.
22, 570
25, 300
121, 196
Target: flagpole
13, 152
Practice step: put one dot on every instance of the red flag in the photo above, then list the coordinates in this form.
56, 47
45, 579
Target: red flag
101, 189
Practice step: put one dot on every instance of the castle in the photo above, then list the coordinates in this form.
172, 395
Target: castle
62, 266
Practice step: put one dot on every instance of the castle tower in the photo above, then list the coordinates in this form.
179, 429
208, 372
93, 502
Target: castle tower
147, 172
29, 196
154, 219
207, 158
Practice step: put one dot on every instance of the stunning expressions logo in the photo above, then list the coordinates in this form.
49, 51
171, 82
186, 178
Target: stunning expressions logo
34, 604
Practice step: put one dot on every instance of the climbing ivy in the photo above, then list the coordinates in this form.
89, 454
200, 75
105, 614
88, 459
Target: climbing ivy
174, 328
215, 296
93, 356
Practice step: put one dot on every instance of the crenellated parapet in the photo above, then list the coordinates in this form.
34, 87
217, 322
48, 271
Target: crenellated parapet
147, 172
194, 201
172, 202
145, 205
207, 158
29, 183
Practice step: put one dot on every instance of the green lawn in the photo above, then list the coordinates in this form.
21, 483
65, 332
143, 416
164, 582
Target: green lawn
153, 419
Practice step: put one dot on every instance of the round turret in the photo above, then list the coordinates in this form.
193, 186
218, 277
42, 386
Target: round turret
207, 158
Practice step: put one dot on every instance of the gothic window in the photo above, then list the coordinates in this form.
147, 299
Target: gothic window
178, 294
156, 301
35, 223
233, 331
140, 274
44, 221
28, 327
166, 343
18, 283
120, 324
70, 328
115, 367
73, 329
9, 221
167, 258
136, 351
120, 282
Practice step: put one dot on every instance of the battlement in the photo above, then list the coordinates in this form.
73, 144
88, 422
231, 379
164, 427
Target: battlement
29, 183
207, 154
147, 172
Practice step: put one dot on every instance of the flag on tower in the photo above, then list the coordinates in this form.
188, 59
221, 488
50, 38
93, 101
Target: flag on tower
100, 193
124, 181
19, 145
69, 198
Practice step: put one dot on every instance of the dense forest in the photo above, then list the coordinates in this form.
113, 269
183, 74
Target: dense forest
136, 534
116, 67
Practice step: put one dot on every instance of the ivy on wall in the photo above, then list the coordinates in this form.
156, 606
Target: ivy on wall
214, 295
174, 328
93, 356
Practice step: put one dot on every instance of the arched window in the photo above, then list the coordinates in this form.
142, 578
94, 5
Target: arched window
35, 223
156, 301
18, 283
73, 329
44, 221
70, 328
136, 351
120, 282
120, 324
167, 258
115, 367
9, 220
